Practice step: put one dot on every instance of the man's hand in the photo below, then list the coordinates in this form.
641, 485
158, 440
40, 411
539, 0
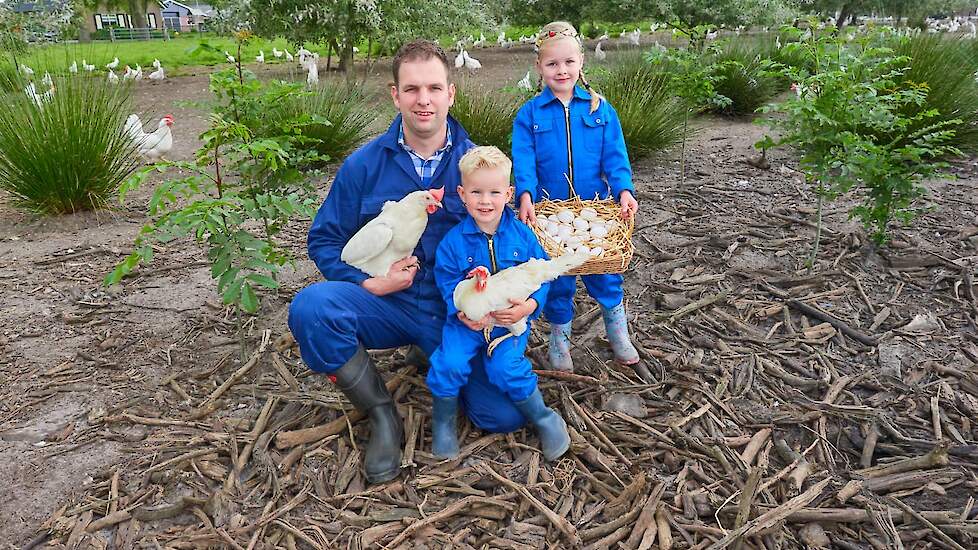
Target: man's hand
527, 213
519, 310
629, 206
475, 325
399, 277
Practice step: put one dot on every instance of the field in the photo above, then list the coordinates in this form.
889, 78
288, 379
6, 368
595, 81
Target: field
113, 402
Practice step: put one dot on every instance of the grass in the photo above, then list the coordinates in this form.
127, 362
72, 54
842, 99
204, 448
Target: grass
742, 81
347, 110
651, 116
947, 66
71, 153
173, 54
487, 115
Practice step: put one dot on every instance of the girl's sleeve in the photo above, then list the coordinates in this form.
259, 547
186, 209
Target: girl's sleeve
448, 273
537, 251
524, 154
614, 157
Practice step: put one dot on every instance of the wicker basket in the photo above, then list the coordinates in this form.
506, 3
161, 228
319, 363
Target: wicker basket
618, 247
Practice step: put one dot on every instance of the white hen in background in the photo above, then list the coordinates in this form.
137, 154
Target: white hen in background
154, 145
393, 234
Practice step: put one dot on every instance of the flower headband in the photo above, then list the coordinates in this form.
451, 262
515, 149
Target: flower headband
551, 35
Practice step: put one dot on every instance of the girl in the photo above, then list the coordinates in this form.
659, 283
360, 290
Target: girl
569, 135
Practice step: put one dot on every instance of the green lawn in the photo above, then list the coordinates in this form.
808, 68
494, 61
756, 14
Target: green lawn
175, 54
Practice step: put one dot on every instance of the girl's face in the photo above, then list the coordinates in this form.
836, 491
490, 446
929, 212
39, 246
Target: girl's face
559, 63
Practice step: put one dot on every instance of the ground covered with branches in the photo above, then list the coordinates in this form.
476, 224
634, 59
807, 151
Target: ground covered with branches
775, 405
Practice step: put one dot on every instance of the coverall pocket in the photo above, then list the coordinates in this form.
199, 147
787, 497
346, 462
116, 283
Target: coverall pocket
594, 124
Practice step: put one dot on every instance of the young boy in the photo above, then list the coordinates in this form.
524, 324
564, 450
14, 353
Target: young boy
490, 236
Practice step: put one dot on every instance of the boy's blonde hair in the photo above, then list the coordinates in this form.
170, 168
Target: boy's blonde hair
484, 156
562, 30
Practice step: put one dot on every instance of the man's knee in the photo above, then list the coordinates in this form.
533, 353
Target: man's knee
498, 417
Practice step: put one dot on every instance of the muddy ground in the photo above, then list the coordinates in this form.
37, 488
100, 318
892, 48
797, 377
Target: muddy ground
76, 358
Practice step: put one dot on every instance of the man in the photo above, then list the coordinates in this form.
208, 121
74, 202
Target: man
336, 321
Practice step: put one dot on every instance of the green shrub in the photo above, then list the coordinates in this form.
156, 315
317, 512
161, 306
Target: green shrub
947, 66
651, 115
349, 116
487, 115
742, 79
72, 153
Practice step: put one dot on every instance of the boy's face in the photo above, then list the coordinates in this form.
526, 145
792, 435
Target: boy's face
485, 193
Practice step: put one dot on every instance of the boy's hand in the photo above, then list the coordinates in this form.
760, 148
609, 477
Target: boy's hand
527, 213
399, 277
519, 310
475, 325
629, 206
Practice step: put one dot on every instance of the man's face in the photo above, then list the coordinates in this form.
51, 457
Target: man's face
423, 96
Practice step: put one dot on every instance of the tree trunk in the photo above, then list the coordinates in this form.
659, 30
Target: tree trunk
844, 14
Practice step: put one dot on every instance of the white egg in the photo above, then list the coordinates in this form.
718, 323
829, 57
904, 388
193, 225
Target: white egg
564, 231
597, 242
557, 239
611, 225
589, 214
581, 223
565, 216
597, 251
552, 229
583, 249
599, 231
574, 240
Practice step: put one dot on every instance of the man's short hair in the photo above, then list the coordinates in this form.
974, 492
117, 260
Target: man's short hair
484, 156
420, 50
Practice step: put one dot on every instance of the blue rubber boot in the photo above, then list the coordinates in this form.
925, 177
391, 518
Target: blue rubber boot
616, 325
444, 439
559, 351
551, 428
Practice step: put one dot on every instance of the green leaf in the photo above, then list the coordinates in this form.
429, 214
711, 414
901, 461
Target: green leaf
249, 301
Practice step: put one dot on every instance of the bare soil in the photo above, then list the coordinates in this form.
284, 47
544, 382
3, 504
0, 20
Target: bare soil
94, 382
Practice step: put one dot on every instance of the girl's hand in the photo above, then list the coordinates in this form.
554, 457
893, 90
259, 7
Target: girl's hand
475, 325
519, 310
527, 212
629, 206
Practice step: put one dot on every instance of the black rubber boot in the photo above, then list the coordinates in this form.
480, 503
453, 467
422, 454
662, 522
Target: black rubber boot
415, 357
363, 386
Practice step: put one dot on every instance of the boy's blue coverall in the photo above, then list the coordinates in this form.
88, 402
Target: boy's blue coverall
551, 141
464, 248
331, 319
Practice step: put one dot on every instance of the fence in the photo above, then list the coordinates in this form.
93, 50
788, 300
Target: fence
116, 33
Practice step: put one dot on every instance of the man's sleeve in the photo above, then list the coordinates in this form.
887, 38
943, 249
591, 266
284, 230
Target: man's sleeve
448, 273
337, 221
614, 157
524, 155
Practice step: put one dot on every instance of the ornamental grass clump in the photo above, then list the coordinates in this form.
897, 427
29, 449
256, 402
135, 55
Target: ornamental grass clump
65, 150
345, 118
487, 115
744, 78
652, 117
948, 67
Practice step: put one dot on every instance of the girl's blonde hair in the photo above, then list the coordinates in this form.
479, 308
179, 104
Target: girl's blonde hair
562, 30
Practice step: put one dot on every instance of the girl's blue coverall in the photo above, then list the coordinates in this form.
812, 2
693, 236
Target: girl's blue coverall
553, 144
331, 319
464, 248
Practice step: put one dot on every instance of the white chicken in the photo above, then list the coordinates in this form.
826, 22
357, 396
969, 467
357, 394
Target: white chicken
288, 56
154, 145
481, 42
157, 75
524, 83
87, 66
635, 37
129, 74
393, 234
460, 58
46, 80
73, 68
111, 66
28, 72
312, 76
276, 52
260, 58
471, 63
229, 57
481, 293
36, 98
113, 78
599, 54
501, 39
156, 63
